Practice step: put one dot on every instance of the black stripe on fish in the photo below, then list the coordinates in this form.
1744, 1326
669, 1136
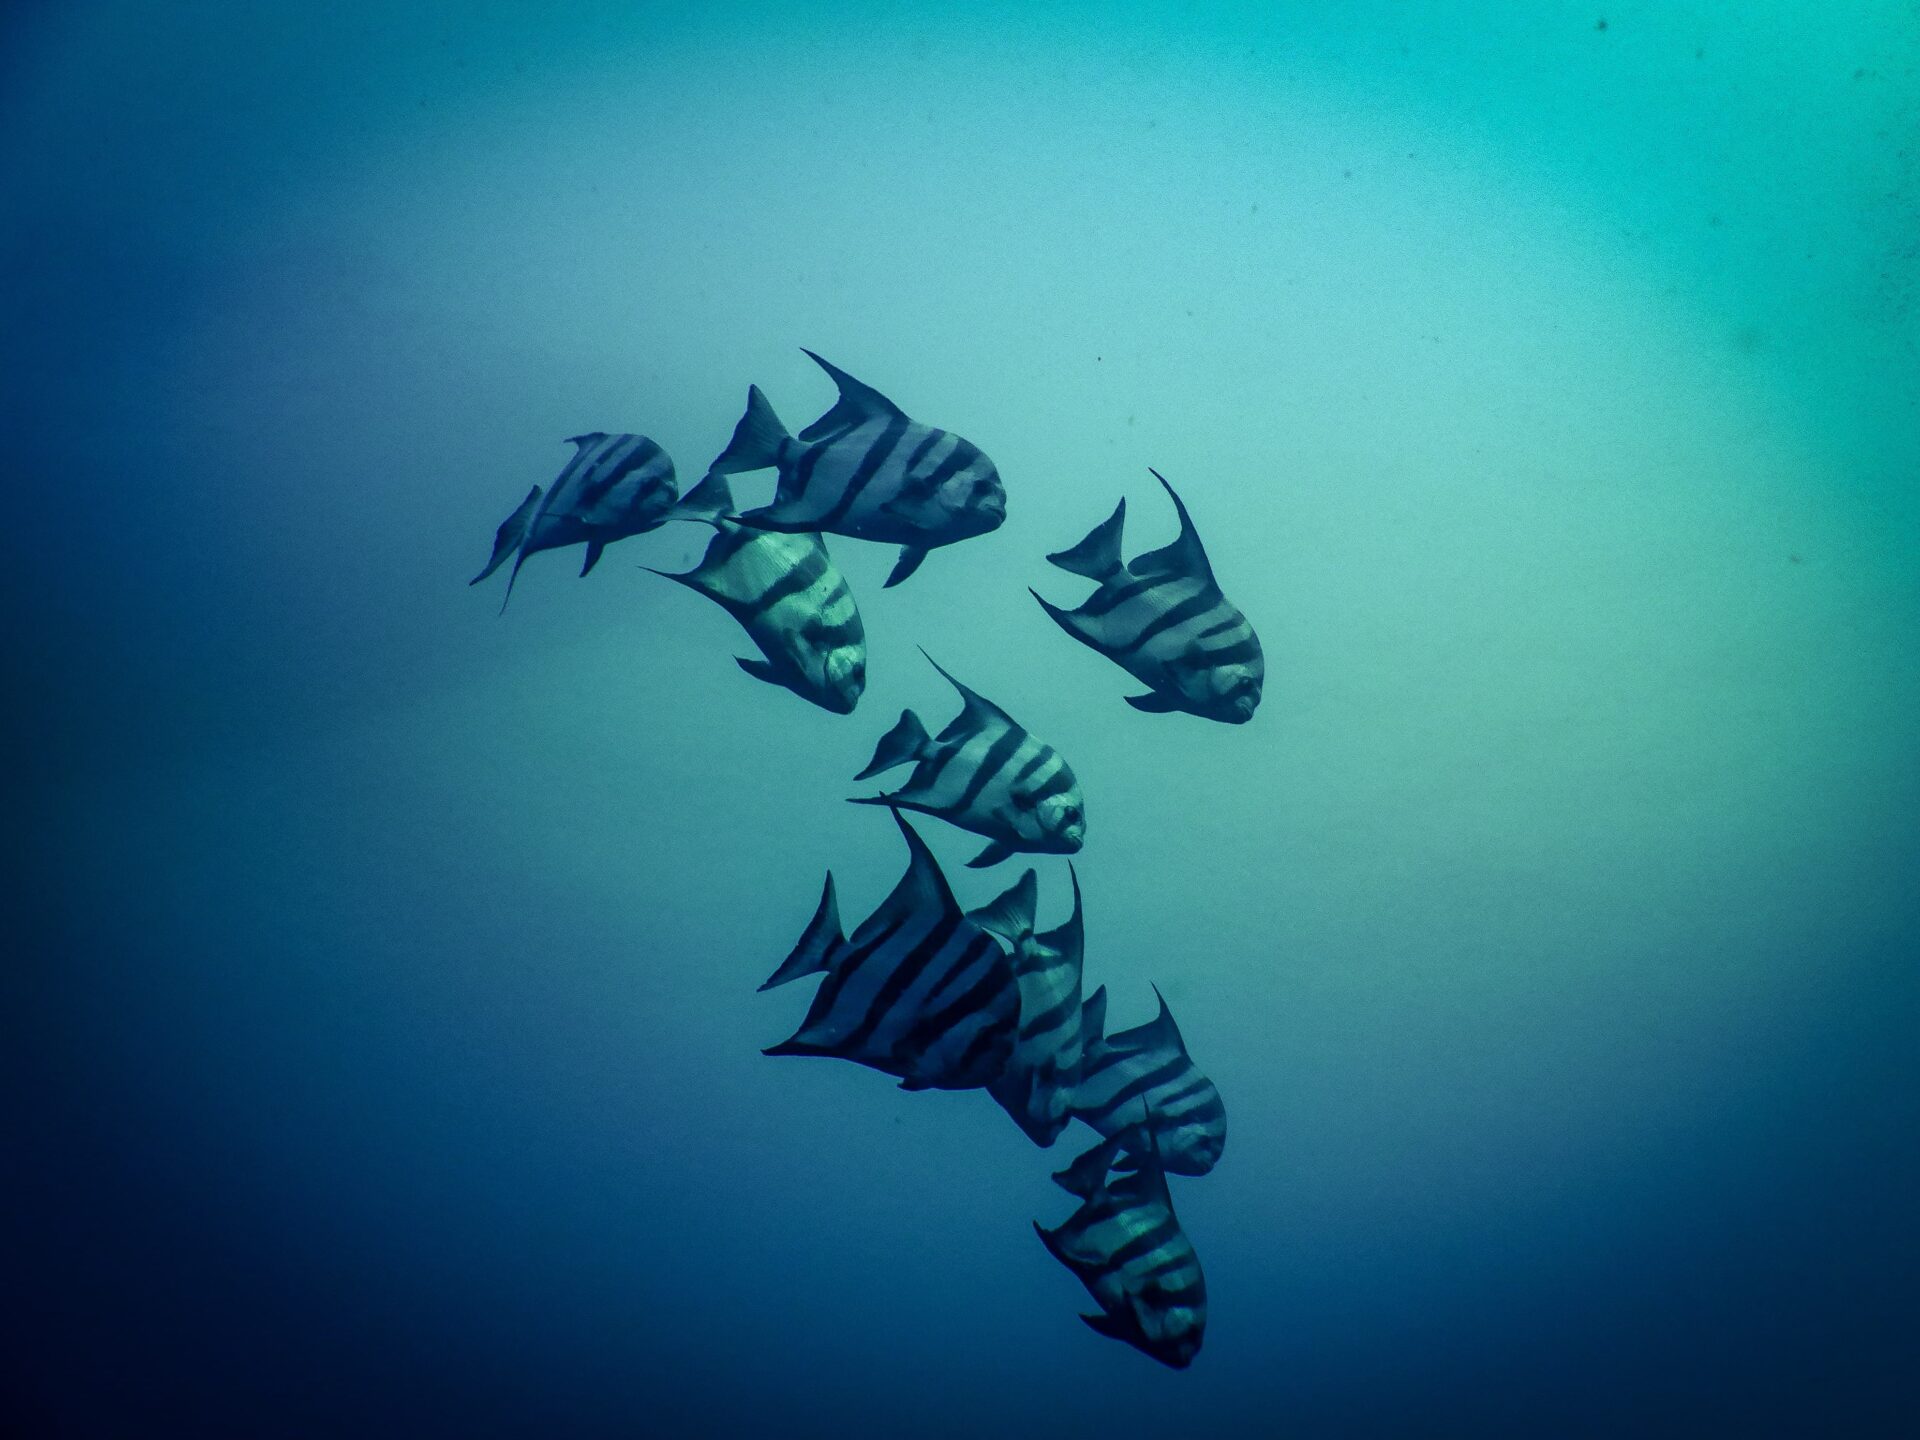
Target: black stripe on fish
1188, 609
991, 764
793, 582
1125, 1244
870, 463
921, 993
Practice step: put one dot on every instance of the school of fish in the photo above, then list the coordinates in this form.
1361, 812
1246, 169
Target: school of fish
924, 990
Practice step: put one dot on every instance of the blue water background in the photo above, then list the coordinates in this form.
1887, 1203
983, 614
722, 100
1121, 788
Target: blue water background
385, 1035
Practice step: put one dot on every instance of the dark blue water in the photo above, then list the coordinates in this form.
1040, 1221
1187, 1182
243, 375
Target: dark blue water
385, 1044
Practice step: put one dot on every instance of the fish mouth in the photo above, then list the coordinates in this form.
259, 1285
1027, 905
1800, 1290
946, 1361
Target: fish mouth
1244, 707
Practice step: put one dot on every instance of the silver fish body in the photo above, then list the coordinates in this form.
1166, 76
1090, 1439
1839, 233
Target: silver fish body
1144, 1076
788, 595
866, 470
615, 486
984, 773
918, 992
1164, 620
1037, 1088
1127, 1246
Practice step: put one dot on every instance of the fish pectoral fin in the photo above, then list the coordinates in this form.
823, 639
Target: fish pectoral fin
995, 852
1153, 703
758, 669
909, 561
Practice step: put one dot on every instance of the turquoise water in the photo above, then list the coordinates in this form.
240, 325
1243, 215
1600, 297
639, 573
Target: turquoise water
1546, 395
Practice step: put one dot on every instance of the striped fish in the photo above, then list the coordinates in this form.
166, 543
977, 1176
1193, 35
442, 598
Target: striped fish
613, 487
1038, 1084
1163, 620
1144, 1072
919, 992
864, 469
985, 774
787, 594
1126, 1246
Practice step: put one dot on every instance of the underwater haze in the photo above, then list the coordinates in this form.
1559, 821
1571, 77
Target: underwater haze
1545, 382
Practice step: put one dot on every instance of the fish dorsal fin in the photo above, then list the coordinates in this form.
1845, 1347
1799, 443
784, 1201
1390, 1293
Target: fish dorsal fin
924, 886
1069, 941
1093, 1018
977, 709
1163, 1023
857, 402
1011, 915
1159, 1033
587, 441
1184, 558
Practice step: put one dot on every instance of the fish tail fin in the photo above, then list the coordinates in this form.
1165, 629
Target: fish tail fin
819, 943
907, 740
1011, 915
758, 439
1088, 1171
711, 500
512, 531
1098, 556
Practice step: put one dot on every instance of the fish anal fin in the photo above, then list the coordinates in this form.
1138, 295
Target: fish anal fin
1153, 703
996, 851
909, 561
1107, 1325
819, 944
797, 1046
